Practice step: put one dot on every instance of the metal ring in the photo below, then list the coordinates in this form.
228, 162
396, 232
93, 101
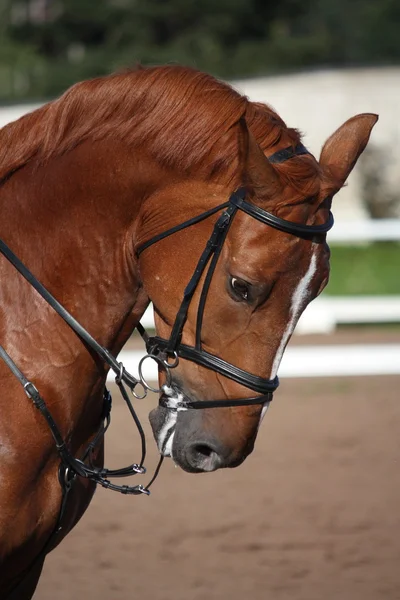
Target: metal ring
162, 364
118, 377
134, 393
67, 480
138, 469
69, 476
175, 363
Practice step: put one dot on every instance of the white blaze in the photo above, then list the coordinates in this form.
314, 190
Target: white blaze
300, 295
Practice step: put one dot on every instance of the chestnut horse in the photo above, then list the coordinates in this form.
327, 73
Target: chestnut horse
88, 183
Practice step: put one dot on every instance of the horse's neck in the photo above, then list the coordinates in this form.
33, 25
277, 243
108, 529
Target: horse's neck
73, 224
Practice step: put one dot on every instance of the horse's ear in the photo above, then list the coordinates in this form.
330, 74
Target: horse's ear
342, 149
259, 174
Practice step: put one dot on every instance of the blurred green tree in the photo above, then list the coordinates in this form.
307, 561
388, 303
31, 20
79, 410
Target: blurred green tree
46, 45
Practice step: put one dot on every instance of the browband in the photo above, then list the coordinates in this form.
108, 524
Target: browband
303, 231
282, 155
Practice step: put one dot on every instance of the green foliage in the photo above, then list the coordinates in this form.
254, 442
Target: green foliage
46, 45
363, 270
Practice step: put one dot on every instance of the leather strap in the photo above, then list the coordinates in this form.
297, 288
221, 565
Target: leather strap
188, 223
297, 229
200, 404
107, 357
214, 242
76, 465
215, 363
286, 153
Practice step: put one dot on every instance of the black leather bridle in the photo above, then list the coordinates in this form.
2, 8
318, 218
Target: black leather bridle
165, 352
173, 348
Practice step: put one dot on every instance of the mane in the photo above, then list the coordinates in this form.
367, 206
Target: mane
180, 115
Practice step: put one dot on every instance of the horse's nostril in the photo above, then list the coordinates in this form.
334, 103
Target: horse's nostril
202, 457
203, 450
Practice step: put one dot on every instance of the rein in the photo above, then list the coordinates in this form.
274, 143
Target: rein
71, 465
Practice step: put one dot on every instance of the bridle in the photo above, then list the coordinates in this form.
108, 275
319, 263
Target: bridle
171, 350
166, 353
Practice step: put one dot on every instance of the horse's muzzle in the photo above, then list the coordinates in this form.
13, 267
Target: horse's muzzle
188, 438
203, 455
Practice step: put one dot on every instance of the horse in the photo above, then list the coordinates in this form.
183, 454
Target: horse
158, 184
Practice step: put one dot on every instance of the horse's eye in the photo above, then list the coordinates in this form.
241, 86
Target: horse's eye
240, 289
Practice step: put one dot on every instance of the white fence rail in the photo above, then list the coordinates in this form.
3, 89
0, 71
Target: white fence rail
370, 230
326, 313
309, 361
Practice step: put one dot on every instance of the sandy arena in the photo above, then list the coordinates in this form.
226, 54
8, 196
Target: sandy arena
313, 513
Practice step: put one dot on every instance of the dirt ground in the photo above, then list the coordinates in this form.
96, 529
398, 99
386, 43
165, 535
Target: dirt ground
313, 513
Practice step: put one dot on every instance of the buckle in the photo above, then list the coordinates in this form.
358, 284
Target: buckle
33, 390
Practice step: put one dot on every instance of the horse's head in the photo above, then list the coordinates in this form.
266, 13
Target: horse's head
256, 276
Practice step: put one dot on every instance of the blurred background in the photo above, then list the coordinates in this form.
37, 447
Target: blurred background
47, 45
314, 511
